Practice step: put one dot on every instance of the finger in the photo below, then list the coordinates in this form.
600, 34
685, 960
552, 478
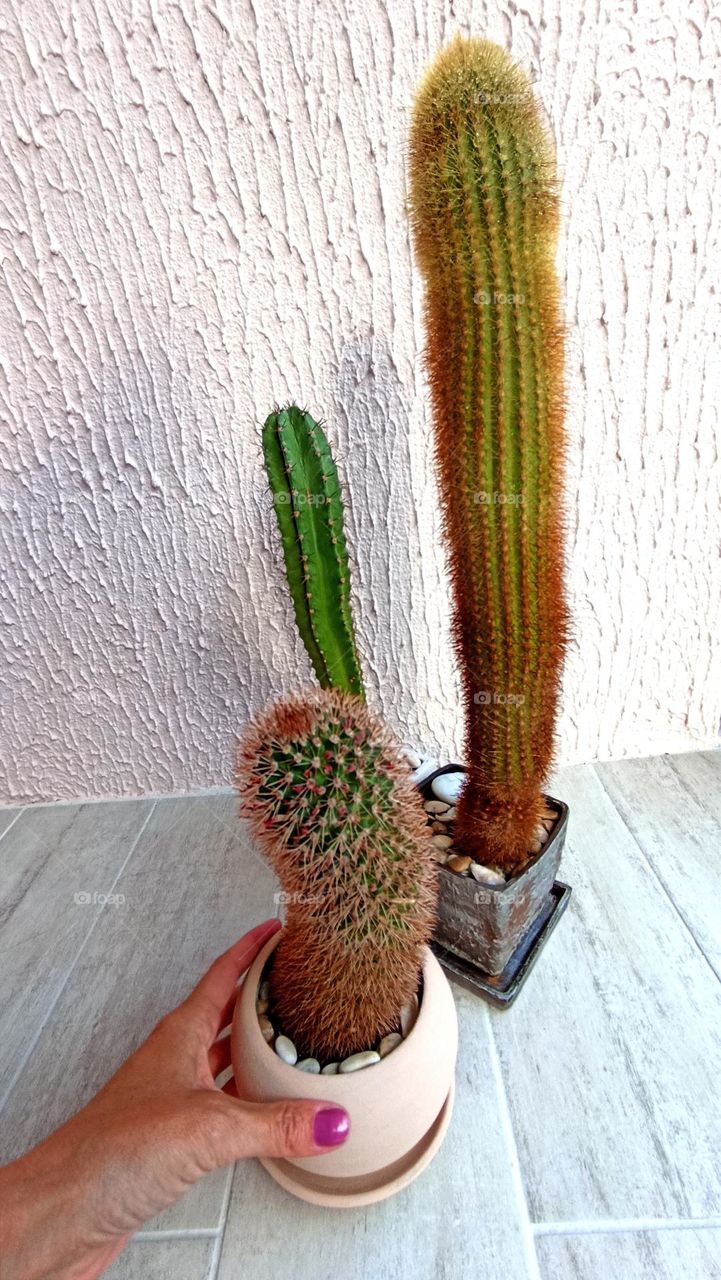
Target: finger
218, 1057
282, 1129
216, 991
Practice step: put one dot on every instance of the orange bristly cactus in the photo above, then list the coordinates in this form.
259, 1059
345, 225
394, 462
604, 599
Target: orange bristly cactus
484, 208
332, 807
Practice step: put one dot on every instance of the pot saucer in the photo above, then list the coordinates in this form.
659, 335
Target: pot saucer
349, 1193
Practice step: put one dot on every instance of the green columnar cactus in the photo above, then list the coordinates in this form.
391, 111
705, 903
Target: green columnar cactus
331, 804
308, 505
484, 210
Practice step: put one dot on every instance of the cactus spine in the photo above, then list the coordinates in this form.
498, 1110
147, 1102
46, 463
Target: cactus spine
332, 807
308, 506
484, 210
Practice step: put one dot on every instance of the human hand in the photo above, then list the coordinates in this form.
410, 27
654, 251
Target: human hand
156, 1127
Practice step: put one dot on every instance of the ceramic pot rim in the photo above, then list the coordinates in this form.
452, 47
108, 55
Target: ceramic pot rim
391, 1062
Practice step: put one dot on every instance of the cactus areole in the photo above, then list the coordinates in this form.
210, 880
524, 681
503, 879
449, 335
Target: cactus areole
484, 211
332, 807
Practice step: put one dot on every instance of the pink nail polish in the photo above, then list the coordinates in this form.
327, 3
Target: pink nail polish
331, 1126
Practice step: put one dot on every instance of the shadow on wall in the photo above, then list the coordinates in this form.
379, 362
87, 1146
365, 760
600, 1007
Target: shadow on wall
381, 523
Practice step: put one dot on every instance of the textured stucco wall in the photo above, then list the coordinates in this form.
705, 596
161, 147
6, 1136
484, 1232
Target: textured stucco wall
201, 214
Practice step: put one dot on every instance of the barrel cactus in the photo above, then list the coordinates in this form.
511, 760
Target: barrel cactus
331, 805
307, 500
484, 211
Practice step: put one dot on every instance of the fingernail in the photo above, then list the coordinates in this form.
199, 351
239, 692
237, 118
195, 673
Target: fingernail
331, 1127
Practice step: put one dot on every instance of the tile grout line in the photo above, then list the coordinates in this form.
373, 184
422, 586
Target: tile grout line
656, 875
17, 818
49, 1011
174, 1233
619, 1226
529, 1247
220, 1237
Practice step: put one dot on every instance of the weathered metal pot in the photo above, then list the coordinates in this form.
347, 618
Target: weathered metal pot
486, 925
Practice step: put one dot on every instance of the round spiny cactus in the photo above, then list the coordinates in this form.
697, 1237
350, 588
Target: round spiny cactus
331, 804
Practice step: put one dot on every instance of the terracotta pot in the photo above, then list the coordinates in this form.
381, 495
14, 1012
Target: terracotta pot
399, 1108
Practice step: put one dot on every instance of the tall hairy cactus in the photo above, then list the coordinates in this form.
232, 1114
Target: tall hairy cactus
331, 805
484, 210
308, 506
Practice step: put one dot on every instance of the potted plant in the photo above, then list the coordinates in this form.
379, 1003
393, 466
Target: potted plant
484, 213
484, 210
346, 1003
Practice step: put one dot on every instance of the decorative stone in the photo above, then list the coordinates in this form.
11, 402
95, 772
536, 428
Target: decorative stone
436, 807
459, 863
330, 1069
428, 765
311, 1065
264, 991
440, 856
438, 828
448, 816
486, 875
266, 1029
441, 842
548, 824
357, 1061
389, 1043
262, 1006
535, 847
548, 813
286, 1050
412, 758
448, 787
409, 1013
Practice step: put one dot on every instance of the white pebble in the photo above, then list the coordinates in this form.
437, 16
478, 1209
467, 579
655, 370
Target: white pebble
389, 1043
286, 1050
448, 787
331, 1069
409, 1013
427, 766
359, 1060
311, 1065
441, 842
411, 757
266, 1029
486, 875
448, 816
264, 991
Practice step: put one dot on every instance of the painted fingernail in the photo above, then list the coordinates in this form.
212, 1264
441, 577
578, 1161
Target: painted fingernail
331, 1127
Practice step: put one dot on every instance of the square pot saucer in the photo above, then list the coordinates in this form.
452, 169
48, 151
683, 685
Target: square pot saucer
502, 989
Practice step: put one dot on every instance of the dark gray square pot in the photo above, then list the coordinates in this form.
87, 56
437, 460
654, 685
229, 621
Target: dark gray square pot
486, 925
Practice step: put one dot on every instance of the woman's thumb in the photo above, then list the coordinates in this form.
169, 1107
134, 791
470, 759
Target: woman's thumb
284, 1129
